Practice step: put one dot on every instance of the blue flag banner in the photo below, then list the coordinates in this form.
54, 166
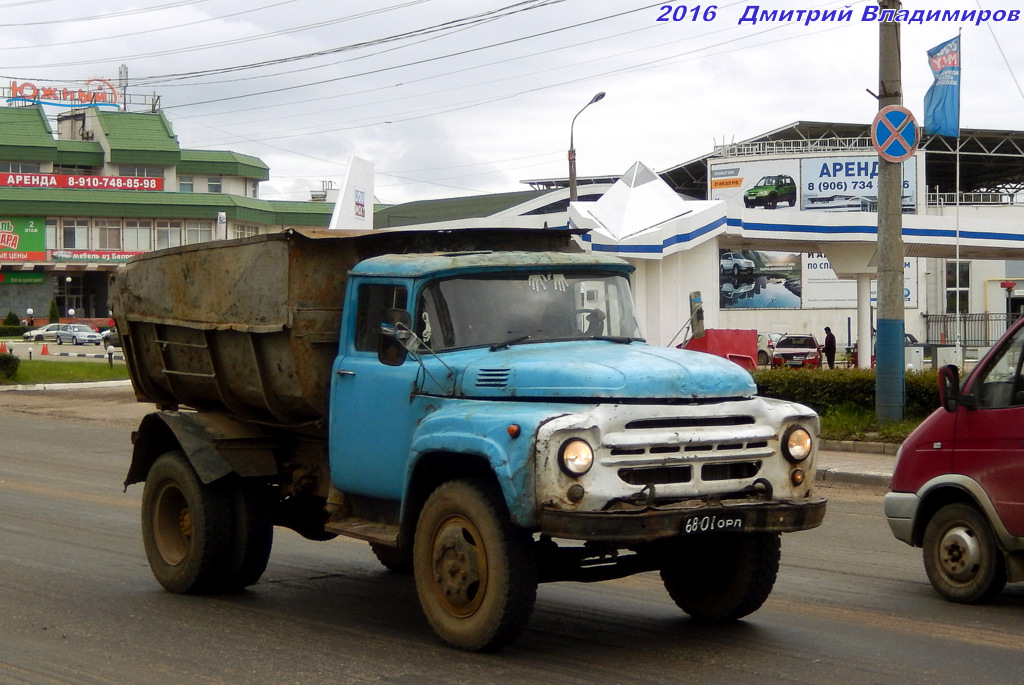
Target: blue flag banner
942, 101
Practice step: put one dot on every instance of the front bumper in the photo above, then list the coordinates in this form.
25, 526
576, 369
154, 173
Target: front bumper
644, 524
900, 510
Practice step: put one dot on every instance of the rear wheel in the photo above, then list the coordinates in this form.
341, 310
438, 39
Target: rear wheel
183, 527
204, 538
762, 358
476, 572
961, 557
721, 577
394, 559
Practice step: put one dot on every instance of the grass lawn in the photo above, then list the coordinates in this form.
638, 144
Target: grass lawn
34, 372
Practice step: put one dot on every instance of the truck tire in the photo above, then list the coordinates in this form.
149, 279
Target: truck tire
394, 559
476, 573
183, 527
253, 535
721, 578
961, 557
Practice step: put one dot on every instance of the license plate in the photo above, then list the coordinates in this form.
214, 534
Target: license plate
712, 523
796, 363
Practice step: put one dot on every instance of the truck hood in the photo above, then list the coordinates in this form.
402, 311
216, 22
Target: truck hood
604, 369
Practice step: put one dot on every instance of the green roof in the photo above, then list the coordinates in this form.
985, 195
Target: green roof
161, 205
451, 209
25, 135
79, 153
143, 138
222, 163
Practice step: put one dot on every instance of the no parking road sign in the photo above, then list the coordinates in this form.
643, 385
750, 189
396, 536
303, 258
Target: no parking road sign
894, 133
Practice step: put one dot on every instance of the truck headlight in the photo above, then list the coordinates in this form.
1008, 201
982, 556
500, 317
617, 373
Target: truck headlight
576, 457
796, 444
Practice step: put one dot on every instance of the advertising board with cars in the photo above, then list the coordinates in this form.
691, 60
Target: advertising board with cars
758, 279
823, 183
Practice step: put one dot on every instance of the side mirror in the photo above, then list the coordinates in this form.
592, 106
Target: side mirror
949, 387
394, 331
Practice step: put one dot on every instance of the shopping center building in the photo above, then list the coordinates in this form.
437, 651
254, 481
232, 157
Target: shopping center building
107, 185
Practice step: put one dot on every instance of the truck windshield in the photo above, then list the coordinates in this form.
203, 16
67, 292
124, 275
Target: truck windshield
510, 308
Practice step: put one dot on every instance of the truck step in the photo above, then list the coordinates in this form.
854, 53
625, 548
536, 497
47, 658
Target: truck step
371, 531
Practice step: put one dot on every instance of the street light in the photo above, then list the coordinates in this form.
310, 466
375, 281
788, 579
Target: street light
572, 149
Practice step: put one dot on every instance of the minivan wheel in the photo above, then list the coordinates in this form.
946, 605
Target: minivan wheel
961, 557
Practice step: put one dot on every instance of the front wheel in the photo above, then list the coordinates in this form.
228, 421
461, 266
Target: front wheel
476, 573
721, 578
961, 557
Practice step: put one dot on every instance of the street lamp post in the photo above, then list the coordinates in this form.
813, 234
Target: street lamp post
572, 149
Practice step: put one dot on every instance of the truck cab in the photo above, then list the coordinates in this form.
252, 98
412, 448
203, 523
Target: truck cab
958, 487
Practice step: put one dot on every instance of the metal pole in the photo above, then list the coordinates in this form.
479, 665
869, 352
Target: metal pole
889, 353
572, 149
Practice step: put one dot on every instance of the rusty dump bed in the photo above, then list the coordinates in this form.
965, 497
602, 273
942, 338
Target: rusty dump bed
250, 327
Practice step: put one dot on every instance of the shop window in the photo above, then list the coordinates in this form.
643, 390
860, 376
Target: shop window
185, 184
106, 234
74, 170
168, 234
213, 185
198, 232
75, 234
955, 289
51, 234
18, 168
138, 235
141, 171
244, 230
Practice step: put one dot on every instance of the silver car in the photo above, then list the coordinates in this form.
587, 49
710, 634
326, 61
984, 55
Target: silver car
78, 334
47, 332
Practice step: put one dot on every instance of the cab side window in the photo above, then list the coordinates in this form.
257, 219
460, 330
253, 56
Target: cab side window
373, 301
1000, 385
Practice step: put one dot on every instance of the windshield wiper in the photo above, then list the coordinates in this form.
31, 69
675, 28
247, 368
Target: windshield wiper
625, 340
511, 341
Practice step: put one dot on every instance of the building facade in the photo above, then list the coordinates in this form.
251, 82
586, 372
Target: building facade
77, 201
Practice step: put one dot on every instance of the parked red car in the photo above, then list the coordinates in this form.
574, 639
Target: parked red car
797, 351
958, 487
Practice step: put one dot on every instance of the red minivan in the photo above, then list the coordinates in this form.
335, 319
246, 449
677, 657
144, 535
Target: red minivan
958, 487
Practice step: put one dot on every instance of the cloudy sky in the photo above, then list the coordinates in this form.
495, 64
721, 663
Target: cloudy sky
452, 98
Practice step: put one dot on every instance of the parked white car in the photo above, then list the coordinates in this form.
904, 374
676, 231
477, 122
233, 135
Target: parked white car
78, 334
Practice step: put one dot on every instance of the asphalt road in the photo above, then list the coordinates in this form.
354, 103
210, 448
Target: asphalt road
78, 604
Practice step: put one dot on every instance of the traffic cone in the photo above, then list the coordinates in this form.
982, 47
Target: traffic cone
3, 348
46, 349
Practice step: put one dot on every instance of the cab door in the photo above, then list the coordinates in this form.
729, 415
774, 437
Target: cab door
370, 415
990, 438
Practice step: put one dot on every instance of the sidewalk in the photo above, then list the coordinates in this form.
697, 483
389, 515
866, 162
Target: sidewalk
856, 463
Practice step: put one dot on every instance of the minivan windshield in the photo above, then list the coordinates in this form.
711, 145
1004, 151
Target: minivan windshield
529, 307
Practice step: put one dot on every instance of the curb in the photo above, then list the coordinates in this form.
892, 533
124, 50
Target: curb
93, 355
833, 475
859, 446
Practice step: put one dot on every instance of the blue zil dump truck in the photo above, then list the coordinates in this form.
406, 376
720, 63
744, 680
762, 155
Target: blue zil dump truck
478, 405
